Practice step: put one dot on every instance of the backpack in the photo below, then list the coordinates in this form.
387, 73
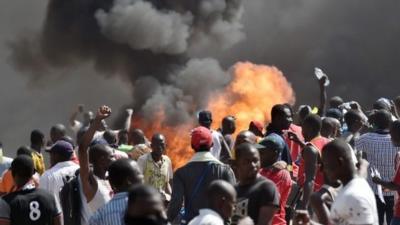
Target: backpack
70, 200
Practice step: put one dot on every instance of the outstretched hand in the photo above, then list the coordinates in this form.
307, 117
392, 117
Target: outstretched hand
103, 112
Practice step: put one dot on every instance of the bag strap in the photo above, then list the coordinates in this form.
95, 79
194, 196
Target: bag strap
197, 187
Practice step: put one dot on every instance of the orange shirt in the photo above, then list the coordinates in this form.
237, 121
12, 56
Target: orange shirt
7, 184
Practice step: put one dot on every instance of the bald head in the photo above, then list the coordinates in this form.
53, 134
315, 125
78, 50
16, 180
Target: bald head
57, 132
138, 137
245, 137
330, 127
158, 145
123, 173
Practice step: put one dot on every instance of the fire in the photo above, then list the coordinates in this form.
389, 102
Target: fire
250, 95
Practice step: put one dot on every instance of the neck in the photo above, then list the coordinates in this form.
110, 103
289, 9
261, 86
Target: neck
247, 181
156, 158
347, 178
99, 172
37, 148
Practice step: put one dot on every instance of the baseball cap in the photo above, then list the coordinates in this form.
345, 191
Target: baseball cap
258, 125
62, 147
205, 116
271, 143
201, 136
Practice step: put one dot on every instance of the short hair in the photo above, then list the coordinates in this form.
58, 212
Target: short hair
242, 148
351, 116
141, 191
219, 189
335, 101
37, 137
110, 137
382, 119
58, 129
97, 151
24, 150
122, 169
314, 122
277, 110
22, 166
340, 148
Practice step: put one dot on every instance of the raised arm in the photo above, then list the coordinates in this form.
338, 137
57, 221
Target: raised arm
128, 119
322, 96
89, 183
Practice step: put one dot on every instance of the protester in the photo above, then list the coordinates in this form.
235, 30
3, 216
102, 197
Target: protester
354, 122
269, 150
393, 184
330, 128
28, 205
310, 174
245, 136
219, 147
5, 162
37, 145
145, 207
95, 188
52, 180
76, 125
57, 132
281, 118
112, 140
191, 180
221, 202
228, 127
355, 203
140, 144
157, 167
257, 197
123, 174
380, 153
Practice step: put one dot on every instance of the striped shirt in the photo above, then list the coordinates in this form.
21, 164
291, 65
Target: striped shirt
380, 154
113, 212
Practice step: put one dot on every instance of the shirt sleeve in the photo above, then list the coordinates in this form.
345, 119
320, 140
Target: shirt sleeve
269, 195
228, 175
4, 210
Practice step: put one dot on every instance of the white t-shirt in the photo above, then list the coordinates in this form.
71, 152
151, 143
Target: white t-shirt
216, 148
207, 217
52, 180
355, 204
102, 196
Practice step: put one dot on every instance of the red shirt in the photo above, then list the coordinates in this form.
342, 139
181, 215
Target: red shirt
318, 143
283, 182
295, 148
396, 181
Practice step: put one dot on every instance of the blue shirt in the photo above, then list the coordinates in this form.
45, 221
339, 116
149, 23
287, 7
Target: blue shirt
111, 213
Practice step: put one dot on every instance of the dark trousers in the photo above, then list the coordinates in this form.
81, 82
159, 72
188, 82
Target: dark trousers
386, 208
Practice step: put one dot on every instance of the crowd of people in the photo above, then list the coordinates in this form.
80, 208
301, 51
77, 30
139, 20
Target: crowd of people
312, 166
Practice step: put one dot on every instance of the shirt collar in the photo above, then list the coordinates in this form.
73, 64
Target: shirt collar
204, 157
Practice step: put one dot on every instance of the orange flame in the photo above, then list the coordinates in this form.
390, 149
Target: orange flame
253, 91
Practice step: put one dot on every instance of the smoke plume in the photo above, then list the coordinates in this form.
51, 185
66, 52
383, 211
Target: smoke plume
149, 43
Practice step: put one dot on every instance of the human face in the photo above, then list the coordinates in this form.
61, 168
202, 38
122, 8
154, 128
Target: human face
285, 119
228, 206
248, 165
158, 145
108, 158
267, 157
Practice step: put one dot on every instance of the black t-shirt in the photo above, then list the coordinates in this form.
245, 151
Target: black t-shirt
250, 198
33, 207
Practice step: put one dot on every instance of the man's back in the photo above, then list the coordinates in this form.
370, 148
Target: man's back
32, 206
53, 179
187, 178
380, 153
